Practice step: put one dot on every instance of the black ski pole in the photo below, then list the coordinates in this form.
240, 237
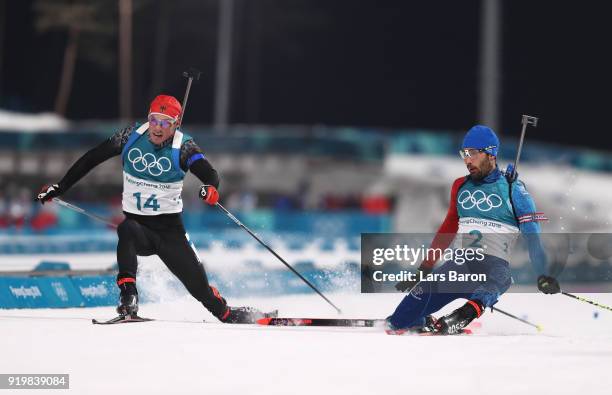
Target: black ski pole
580, 298
233, 218
84, 212
191, 74
538, 327
525, 120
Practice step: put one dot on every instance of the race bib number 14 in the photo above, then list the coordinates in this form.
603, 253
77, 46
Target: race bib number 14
150, 203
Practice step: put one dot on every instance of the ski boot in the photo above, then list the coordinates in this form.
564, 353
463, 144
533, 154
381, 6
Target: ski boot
455, 322
128, 300
245, 315
418, 329
128, 305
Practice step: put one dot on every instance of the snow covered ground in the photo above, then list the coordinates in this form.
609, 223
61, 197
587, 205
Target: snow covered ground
180, 355
26, 122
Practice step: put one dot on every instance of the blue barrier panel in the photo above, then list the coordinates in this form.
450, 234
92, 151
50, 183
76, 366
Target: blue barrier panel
25, 292
60, 292
100, 290
38, 292
6, 298
51, 265
253, 283
97, 290
289, 283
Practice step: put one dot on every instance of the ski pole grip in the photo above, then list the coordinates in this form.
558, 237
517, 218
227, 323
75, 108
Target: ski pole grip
192, 73
529, 120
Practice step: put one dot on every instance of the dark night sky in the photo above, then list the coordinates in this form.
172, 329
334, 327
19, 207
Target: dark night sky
395, 64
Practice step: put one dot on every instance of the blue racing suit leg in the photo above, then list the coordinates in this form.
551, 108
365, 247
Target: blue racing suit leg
427, 297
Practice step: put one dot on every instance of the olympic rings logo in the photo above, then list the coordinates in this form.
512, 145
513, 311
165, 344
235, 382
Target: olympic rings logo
148, 162
479, 199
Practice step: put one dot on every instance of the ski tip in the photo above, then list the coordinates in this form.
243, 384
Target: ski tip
539, 328
264, 321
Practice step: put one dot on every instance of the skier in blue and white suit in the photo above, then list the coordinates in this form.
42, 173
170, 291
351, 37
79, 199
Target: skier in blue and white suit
488, 209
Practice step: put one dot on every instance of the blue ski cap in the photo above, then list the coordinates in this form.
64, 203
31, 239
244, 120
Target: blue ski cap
481, 137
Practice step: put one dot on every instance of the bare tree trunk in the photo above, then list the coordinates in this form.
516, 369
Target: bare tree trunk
65, 86
254, 48
224, 64
125, 60
2, 28
161, 49
490, 94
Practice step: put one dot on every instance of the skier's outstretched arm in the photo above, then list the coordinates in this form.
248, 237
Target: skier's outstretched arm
528, 219
92, 158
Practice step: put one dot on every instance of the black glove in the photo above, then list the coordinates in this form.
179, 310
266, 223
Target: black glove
548, 285
510, 174
407, 285
48, 192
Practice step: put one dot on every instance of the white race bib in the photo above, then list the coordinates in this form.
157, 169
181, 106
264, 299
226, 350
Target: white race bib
495, 238
146, 197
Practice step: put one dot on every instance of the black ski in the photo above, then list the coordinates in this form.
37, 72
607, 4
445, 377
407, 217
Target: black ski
253, 317
122, 319
135, 318
346, 322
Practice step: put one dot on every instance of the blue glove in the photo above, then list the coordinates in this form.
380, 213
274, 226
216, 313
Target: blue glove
510, 174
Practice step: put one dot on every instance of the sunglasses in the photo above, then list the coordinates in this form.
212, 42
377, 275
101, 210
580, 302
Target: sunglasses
472, 152
164, 123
